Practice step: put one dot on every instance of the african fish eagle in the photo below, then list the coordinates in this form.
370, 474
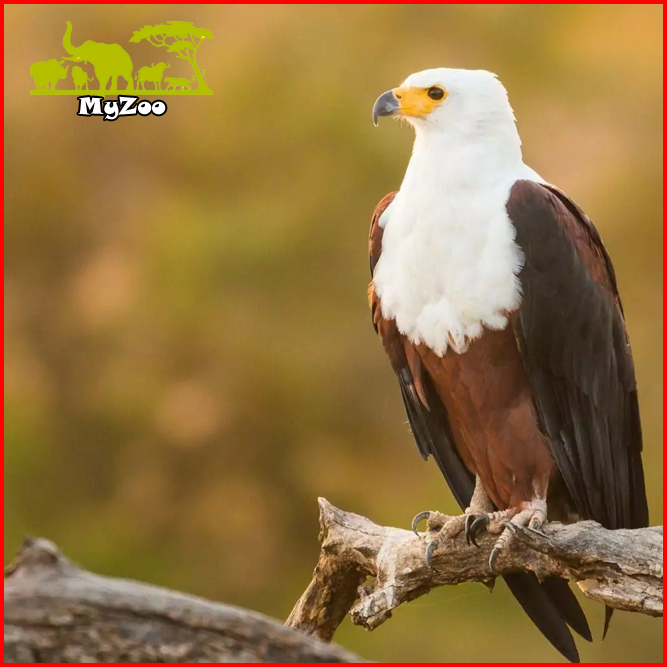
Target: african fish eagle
498, 307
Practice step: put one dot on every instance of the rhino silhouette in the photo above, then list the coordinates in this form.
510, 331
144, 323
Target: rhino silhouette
48, 73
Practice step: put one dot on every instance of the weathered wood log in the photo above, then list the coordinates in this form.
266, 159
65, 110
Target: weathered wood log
57, 612
620, 568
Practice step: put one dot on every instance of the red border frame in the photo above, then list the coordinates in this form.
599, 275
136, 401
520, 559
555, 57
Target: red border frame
2, 194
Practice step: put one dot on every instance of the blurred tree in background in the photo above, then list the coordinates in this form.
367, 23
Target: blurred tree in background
189, 357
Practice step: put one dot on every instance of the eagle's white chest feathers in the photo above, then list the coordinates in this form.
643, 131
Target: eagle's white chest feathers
449, 262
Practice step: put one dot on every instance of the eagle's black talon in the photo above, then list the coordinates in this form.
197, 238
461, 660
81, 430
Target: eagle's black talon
535, 525
492, 560
537, 532
420, 517
478, 525
468, 525
470, 522
430, 550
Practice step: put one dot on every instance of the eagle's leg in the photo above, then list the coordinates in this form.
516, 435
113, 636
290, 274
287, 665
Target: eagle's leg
448, 527
530, 515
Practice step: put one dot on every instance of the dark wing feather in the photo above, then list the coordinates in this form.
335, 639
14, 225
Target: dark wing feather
562, 597
432, 432
576, 351
549, 606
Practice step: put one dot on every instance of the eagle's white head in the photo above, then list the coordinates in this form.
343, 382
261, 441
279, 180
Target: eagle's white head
449, 263
458, 105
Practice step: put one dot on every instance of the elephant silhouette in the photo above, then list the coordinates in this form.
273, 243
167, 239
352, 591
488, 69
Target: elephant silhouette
109, 60
153, 73
48, 73
80, 78
181, 82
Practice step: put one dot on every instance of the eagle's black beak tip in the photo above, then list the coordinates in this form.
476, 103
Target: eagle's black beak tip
385, 105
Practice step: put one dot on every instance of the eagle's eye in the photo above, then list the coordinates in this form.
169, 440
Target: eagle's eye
435, 93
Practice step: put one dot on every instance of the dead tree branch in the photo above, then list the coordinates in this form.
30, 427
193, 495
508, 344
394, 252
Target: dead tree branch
620, 568
57, 612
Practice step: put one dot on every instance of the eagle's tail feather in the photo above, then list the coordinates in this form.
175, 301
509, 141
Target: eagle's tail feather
543, 612
608, 613
565, 601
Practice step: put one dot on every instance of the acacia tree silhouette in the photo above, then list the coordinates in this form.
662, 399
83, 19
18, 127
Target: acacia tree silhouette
182, 38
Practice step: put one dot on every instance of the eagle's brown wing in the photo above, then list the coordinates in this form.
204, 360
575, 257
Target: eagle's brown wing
576, 352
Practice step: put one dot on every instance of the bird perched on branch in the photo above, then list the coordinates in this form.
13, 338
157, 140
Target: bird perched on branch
497, 305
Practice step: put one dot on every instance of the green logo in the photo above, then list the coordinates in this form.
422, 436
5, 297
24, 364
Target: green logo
99, 66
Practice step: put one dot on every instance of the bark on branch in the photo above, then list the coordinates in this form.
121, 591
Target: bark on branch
57, 612
620, 568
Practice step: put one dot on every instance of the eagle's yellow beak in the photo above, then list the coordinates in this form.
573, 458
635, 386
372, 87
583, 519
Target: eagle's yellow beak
408, 101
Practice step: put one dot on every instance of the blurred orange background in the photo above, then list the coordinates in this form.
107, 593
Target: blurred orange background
190, 360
